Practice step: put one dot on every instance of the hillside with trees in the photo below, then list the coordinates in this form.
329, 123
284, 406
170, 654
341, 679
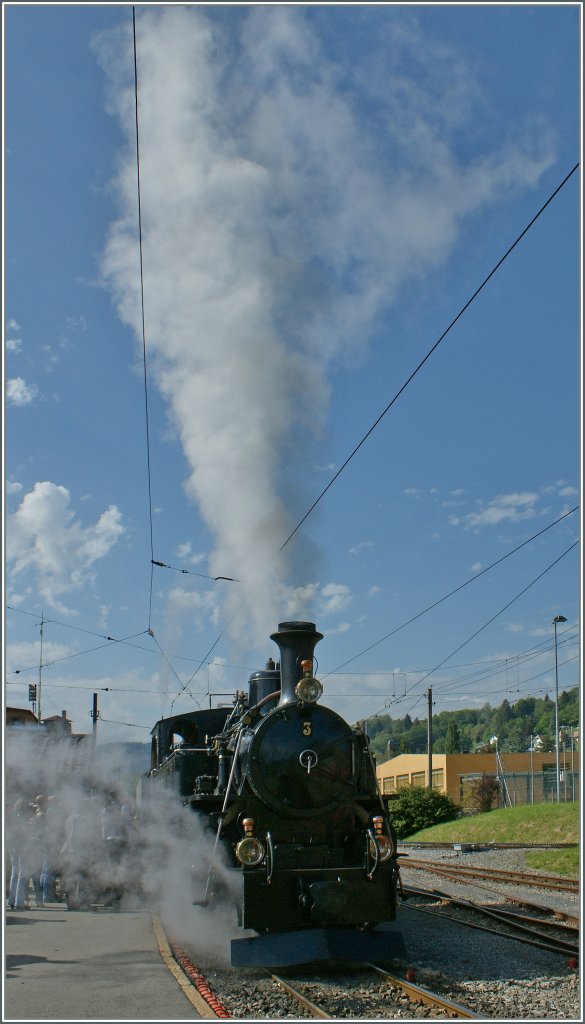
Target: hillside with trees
470, 731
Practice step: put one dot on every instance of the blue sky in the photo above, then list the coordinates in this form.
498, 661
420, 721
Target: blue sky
322, 190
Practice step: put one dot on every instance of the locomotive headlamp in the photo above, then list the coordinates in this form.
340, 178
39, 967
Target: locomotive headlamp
250, 852
385, 844
308, 689
384, 847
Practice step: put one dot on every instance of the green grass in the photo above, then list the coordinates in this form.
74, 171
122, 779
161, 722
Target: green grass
538, 823
555, 862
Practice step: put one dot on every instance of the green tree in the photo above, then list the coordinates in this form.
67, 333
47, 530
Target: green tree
418, 808
453, 739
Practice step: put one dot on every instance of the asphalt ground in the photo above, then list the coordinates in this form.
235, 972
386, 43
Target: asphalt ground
92, 965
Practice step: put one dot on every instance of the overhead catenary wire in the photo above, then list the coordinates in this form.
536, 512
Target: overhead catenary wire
201, 663
191, 572
185, 687
143, 320
494, 617
456, 590
77, 654
429, 354
486, 666
419, 614
501, 610
452, 684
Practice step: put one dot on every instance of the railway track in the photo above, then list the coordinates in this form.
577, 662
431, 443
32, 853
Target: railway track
426, 997
479, 847
414, 994
552, 935
395, 990
527, 878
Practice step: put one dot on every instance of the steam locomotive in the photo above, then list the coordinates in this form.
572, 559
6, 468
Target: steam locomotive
290, 790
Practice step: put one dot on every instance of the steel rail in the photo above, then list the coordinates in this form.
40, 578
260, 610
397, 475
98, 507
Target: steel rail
495, 874
423, 995
533, 937
487, 929
313, 1009
568, 929
562, 915
478, 847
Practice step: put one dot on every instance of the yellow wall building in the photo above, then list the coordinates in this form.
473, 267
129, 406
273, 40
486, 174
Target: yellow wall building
451, 771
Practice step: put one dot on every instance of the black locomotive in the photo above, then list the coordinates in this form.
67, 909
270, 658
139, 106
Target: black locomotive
290, 790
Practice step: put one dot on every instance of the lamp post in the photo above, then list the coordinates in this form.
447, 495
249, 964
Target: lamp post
557, 618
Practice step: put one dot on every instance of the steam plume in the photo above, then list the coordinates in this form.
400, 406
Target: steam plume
279, 224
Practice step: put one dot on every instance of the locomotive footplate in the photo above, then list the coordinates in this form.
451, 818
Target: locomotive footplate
328, 898
311, 945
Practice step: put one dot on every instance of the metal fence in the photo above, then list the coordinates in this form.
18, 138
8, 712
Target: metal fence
516, 788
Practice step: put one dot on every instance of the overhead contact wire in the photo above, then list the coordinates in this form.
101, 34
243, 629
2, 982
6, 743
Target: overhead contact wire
452, 592
498, 613
478, 631
429, 353
143, 318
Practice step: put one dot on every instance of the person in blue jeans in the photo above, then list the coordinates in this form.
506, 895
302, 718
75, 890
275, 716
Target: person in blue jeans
47, 846
20, 841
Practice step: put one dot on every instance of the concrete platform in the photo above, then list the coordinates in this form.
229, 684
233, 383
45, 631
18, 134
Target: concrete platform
92, 965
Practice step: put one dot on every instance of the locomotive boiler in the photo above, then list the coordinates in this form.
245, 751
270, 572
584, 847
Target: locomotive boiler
290, 791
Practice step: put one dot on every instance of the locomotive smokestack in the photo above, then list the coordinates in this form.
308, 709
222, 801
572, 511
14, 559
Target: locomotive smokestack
296, 642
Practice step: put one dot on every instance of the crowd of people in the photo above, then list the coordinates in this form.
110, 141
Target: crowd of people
82, 854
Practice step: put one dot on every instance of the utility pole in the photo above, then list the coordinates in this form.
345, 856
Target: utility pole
94, 713
572, 767
555, 621
40, 669
430, 735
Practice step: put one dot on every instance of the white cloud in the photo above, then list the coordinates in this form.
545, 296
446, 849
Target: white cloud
25, 655
44, 538
341, 628
373, 591
514, 627
199, 608
185, 554
13, 344
335, 597
18, 392
568, 492
359, 547
75, 323
505, 508
299, 601
13, 325
13, 487
476, 567
104, 613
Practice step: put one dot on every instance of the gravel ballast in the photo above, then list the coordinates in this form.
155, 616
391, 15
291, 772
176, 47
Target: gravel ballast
496, 976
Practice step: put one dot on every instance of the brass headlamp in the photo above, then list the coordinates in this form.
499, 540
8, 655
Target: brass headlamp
308, 689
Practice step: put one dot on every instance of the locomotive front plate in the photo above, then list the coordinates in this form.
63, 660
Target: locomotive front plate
300, 760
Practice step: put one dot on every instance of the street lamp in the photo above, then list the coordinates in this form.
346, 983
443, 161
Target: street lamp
557, 618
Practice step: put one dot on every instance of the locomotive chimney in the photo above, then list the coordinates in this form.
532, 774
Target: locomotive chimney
296, 642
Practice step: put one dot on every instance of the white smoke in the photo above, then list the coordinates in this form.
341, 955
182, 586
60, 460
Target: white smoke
161, 861
279, 225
